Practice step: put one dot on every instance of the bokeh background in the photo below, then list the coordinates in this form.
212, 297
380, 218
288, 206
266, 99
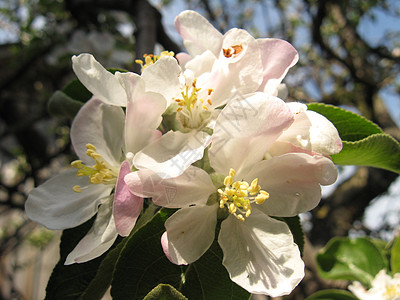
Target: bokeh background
349, 56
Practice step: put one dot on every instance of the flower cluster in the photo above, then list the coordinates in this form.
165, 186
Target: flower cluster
203, 132
384, 287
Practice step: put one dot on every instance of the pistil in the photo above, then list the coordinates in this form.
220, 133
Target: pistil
192, 110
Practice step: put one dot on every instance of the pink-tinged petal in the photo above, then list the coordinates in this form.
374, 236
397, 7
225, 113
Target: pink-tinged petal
163, 77
197, 33
194, 186
312, 131
253, 115
164, 245
55, 205
293, 182
245, 129
101, 125
127, 206
281, 147
183, 58
98, 240
190, 232
101, 83
143, 113
277, 57
173, 153
260, 255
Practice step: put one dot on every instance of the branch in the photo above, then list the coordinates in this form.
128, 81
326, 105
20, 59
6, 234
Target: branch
336, 214
149, 28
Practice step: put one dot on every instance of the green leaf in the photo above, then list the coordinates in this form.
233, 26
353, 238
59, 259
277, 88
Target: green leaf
164, 292
77, 91
143, 265
332, 294
364, 143
67, 102
350, 259
351, 126
395, 256
69, 282
100, 283
378, 150
207, 278
61, 105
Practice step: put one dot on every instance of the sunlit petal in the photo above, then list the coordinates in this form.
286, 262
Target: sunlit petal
101, 83
190, 232
260, 254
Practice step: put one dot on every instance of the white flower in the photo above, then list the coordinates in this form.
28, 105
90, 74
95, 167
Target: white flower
384, 287
218, 69
105, 140
245, 191
199, 37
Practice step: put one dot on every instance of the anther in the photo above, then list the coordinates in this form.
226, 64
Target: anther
238, 196
77, 189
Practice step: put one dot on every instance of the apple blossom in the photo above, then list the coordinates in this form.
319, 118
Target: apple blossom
384, 287
219, 68
199, 36
245, 191
101, 134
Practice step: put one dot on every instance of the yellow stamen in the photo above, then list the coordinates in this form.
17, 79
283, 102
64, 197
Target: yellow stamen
150, 59
239, 195
77, 189
391, 291
100, 172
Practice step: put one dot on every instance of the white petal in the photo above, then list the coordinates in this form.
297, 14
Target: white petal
245, 129
197, 33
202, 63
143, 113
190, 232
253, 115
277, 57
260, 255
55, 205
194, 186
101, 83
99, 238
173, 153
245, 68
312, 131
324, 136
163, 77
101, 125
293, 182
